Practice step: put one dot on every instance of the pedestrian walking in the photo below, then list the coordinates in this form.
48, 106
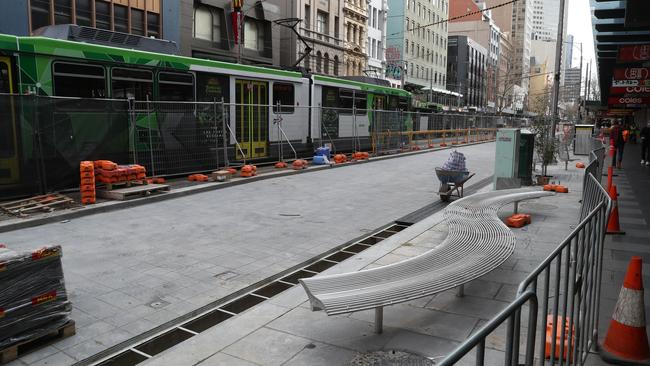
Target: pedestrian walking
618, 142
645, 144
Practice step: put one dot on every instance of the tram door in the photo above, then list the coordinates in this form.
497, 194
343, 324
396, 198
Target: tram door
9, 166
252, 116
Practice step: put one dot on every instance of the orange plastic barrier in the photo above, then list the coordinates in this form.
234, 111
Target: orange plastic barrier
566, 352
198, 178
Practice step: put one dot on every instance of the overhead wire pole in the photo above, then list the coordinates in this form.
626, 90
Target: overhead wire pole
558, 65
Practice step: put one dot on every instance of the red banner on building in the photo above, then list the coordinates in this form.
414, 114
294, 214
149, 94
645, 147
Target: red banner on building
616, 90
628, 101
632, 73
634, 53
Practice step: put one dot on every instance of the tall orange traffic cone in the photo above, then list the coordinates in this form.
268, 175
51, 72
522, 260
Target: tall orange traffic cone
627, 340
610, 173
613, 227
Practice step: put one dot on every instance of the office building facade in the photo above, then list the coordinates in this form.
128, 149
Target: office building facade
467, 71
377, 16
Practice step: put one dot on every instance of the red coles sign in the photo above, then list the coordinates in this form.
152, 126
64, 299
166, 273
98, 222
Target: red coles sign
632, 73
639, 52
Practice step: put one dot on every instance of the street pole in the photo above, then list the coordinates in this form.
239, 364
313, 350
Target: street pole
588, 77
402, 74
558, 63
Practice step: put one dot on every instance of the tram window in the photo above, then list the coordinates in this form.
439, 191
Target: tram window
7, 124
175, 86
330, 97
5, 86
284, 95
212, 87
131, 83
403, 103
79, 80
360, 102
346, 98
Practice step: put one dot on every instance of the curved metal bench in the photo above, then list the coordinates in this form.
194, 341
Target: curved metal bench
477, 243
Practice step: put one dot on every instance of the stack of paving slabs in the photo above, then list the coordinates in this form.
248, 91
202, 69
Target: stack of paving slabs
108, 172
87, 182
33, 300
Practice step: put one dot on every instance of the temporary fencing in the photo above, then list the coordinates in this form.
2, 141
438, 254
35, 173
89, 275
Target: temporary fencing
554, 316
45, 138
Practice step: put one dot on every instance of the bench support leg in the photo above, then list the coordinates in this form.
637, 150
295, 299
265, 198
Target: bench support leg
460, 292
516, 207
379, 320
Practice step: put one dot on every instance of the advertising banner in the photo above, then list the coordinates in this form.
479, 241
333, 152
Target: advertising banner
634, 53
632, 73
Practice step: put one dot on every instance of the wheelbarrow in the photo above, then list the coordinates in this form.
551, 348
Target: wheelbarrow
451, 183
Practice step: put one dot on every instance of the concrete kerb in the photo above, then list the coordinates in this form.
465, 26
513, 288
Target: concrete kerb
16, 224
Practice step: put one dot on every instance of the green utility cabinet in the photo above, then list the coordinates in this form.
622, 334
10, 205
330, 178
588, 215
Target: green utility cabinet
526, 153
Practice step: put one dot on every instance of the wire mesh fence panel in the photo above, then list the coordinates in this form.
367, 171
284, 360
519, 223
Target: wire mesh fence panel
50, 136
178, 138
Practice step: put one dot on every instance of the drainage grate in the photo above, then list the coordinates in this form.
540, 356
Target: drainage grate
151, 346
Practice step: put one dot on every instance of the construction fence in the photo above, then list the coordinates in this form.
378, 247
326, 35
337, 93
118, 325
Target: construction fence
43, 139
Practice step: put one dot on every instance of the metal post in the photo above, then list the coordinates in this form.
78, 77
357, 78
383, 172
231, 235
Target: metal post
153, 167
379, 320
223, 132
402, 74
460, 292
558, 63
216, 137
280, 154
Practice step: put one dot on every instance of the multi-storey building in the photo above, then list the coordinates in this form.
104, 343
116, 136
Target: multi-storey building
481, 28
377, 15
572, 85
322, 29
467, 71
137, 17
355, 17
517, 19
505, 80
207, 29
417, 42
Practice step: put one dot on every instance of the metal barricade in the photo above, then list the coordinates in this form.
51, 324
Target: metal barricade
566, 285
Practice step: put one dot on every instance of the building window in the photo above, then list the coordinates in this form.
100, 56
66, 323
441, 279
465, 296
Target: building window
321, 23
327, 63
137, 22
40, 13
207, 24
284, 95
336, 28
153, 25
102, 15
79, 80
319, 62
336, 65
307, 21
120, 18
254, 34
62, 11
84, 12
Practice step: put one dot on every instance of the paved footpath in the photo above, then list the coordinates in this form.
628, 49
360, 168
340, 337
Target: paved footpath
129, 271
284, 331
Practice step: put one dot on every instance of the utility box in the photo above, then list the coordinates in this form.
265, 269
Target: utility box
583, 143
506, 162
526, 153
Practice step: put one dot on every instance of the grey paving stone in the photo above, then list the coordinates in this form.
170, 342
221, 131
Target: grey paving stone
39, 354
56, 359
468, 305
222, 359
425, 321
420, 344
279, 347
321, 355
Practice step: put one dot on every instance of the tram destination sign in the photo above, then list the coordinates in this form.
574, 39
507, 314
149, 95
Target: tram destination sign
635, 53
632, 73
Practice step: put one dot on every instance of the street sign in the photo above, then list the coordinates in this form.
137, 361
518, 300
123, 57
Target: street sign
632, 73
634, 53
629, 90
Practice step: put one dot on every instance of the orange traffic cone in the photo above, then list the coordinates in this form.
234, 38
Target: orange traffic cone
610, 174
627, 340
613, 227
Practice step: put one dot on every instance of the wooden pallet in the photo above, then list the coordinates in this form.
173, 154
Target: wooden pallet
40, 340
45, 203
122, 194
130, 183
